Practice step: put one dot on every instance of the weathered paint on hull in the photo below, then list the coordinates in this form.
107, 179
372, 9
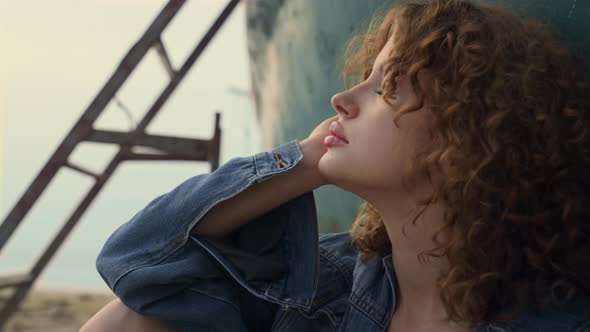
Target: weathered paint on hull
295, 46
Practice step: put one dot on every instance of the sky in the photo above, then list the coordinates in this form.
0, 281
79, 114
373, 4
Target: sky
56, 56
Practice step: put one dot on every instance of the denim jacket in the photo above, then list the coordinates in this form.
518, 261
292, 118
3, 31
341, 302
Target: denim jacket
276, 273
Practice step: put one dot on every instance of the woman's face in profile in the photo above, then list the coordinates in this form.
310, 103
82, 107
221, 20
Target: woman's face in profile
372, 161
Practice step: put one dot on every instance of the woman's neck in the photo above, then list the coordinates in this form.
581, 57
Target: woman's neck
417, 291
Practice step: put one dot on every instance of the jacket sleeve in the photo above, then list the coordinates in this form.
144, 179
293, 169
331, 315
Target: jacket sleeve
158, 269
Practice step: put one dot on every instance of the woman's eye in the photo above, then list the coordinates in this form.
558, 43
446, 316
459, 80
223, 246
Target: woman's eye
379, 92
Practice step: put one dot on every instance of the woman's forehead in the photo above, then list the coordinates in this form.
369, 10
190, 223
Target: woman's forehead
384, 54
387, 49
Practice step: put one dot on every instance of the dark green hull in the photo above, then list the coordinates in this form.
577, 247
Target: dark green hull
295, 47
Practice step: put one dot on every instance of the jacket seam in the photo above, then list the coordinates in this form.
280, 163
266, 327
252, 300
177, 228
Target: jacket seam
249, 181
216, 298
329, 259
148, 264
187, 236
366, 315
286, 319
317, 313
260, 175
235, 277
244, 283
283, 314
583, 327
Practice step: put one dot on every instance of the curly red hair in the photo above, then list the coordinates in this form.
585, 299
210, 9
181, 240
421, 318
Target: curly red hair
512, 134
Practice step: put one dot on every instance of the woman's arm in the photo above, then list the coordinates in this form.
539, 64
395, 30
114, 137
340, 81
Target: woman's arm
117, 317
260, 198
166, 262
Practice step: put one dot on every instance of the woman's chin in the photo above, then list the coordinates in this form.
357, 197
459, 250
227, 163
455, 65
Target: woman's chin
332, 169
327, 165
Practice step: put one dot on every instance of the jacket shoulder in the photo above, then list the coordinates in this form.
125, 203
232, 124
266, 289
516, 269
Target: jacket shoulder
337, 259
337, 255
572, 316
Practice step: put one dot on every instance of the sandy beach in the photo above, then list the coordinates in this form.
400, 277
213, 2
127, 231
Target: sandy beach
56, 310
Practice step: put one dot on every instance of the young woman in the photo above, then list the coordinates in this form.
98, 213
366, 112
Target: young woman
467, 134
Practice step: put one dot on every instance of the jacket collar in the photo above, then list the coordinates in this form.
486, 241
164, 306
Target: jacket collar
299, 288
374, 292
373, 289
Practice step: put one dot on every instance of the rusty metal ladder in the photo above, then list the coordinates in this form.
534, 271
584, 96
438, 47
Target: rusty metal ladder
168, 147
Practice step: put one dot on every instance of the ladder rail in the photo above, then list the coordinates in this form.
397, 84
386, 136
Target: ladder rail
23, 285
84, 123
181, 73
171, 148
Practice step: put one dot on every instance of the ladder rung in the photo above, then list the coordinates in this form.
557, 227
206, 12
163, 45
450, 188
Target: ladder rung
159, 45
153, 156
81, 170
14, 280
167, 144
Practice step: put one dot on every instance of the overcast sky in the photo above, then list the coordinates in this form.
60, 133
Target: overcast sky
56, 56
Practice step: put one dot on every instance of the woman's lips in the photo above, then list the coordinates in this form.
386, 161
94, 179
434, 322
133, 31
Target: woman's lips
332, 140
336, 130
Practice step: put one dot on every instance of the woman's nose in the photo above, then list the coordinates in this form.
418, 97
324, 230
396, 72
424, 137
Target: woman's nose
344, 105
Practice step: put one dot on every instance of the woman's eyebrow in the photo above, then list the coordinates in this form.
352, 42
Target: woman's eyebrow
380, 69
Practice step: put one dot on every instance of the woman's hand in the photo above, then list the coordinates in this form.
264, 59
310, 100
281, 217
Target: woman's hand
313, 149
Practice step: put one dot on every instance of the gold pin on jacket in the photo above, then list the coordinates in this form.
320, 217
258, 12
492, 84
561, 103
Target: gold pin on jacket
280, 163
